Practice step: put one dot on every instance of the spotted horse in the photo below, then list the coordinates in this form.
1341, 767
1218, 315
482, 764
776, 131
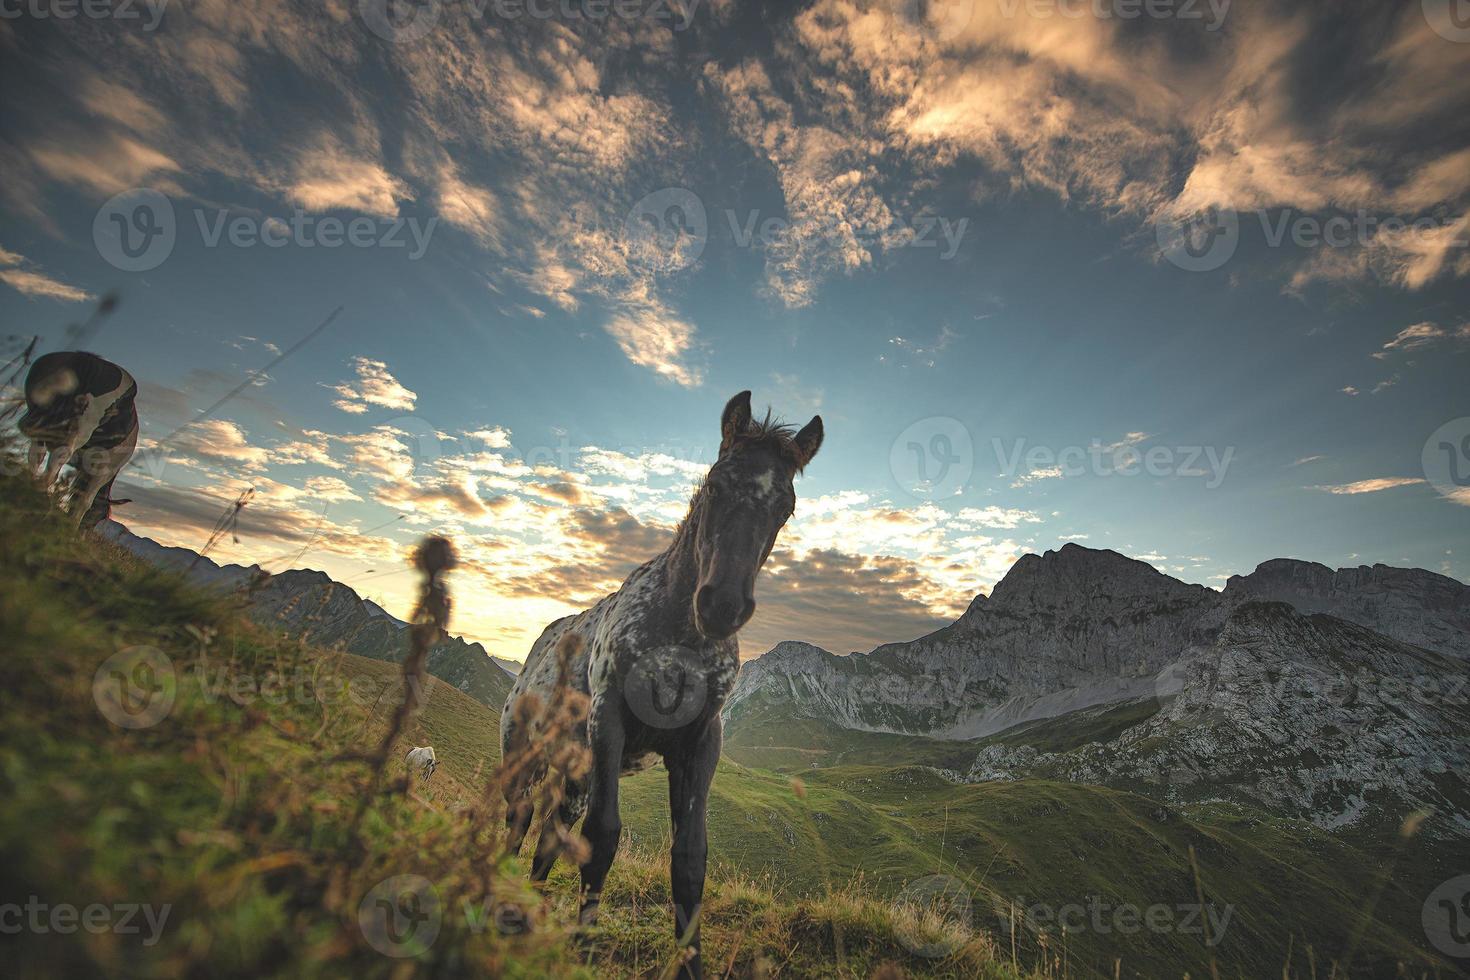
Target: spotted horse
656, 661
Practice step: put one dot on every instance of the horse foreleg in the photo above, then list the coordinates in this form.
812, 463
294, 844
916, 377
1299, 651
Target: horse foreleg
690, 774
603, 825
519, 809
549, 847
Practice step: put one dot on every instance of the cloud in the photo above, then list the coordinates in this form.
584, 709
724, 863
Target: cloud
1043, 473
33, 282
330, 489
492, 437
836, 219
1371, 486
1415, 337
218, 442
129, 164
375, 386
330, 177
650, 336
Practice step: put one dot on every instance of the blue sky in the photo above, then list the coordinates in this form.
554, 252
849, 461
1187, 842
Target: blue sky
577, 236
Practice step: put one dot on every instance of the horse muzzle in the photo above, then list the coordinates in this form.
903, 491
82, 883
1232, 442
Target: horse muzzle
719, 612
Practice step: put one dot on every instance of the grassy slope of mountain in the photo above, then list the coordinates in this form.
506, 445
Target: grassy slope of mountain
241, 813
238, 810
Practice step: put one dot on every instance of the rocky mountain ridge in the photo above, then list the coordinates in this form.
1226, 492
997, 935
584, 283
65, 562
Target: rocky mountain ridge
1342, 690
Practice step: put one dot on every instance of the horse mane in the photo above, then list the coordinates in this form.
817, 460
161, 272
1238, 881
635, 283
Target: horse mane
773, 433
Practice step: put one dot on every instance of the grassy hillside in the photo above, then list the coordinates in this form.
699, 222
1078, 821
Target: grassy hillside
763, 738
239, 833
243, 811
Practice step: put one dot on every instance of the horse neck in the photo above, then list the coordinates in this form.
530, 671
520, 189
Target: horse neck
681, 567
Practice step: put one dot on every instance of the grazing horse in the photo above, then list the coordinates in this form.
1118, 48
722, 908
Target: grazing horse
421, 759
80, 409
659, 657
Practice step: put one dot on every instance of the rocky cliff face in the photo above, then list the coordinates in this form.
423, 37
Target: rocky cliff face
1306, 716
310, 605
1408, 604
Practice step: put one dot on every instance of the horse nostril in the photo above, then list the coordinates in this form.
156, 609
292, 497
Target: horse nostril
749, 611
718, 609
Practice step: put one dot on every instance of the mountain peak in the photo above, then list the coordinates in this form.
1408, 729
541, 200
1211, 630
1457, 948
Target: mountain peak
1074, 570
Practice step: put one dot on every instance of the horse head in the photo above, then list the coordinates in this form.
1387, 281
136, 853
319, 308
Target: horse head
746, 498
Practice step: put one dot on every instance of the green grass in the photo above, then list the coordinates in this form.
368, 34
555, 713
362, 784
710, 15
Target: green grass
240, 812
765, 739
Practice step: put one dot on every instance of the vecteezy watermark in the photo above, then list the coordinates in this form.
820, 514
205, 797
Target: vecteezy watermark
1450, 19
1446, 459
1027, 464
135, 687
401, 916
1099, 916
667, 686
937, 915
63, 918
1199, 242
136, 231
1206, 240
149, 11
138, 687
1446, 917
1212, 12
667, 230
403, 21
932, 458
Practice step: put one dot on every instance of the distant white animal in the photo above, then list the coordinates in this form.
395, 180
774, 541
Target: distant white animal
422, 759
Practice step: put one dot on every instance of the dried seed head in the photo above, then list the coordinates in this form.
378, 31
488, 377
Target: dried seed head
435, 555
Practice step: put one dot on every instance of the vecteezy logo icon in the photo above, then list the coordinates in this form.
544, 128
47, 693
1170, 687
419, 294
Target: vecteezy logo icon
1450, 19
135, 687
1446, 459
1446, 917
667, 687
667, 230
399, 21
935, 20
400, 917
933, 458
135, 230
937, 915
1200, 242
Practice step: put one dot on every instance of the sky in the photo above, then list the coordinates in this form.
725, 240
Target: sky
1186, 280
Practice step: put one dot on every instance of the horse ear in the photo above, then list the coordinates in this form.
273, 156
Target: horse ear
808, 441
735, 419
